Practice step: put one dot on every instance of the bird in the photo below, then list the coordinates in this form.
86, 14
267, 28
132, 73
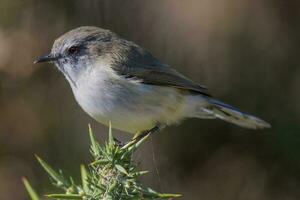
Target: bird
117, 82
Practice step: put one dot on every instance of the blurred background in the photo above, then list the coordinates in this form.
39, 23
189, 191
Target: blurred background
246, 52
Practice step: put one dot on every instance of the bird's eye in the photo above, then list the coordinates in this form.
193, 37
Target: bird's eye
73, 50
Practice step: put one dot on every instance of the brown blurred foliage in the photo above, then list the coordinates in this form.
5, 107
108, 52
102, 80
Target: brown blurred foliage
245, 51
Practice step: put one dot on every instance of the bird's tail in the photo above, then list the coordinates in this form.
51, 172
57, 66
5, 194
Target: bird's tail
220, 110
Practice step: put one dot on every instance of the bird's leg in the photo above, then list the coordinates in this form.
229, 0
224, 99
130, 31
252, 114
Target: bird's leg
147, 132
138, 136
142, 135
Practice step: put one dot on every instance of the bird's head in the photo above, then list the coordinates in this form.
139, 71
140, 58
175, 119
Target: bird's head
78, 50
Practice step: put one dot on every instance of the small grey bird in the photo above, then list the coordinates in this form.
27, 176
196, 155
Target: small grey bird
115, 80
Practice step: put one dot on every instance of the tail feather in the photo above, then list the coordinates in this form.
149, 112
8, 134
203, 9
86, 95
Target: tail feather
233, 115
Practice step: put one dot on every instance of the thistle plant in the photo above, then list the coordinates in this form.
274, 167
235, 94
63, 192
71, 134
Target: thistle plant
112, 175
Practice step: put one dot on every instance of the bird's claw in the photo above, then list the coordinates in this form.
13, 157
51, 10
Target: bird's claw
119, 143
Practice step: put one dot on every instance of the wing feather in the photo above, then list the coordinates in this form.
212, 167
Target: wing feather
140, 64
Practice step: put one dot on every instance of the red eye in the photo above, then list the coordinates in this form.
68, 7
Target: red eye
73, 50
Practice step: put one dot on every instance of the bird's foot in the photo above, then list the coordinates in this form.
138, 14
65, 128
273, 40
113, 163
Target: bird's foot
119, 143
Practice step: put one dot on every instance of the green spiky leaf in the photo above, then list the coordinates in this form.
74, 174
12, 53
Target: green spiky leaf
94, 145
111, 175
64, 196
59, 179
84, 178
110, 135
121, 169
33, 195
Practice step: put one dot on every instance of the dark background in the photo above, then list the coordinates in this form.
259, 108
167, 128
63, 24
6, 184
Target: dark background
246, 52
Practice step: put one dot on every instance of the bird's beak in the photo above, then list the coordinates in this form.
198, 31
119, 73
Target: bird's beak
47, 58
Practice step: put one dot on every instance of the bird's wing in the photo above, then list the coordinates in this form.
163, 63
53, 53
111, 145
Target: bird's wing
142, 65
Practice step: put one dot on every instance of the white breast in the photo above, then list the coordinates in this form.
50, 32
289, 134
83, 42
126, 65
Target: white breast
129, 105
